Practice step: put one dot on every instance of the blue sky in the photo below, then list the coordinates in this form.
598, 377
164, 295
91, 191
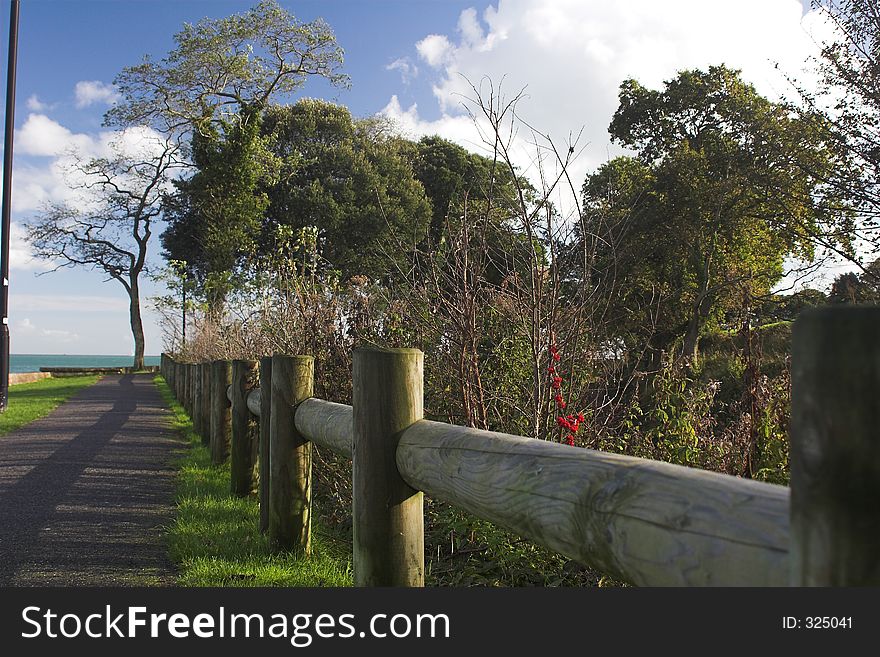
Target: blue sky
406, 59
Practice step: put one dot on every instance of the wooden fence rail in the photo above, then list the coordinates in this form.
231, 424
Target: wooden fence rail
642, 521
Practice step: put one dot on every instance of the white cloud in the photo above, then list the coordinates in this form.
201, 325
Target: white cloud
58, 335
89, 92
25, 327
408, 71
435, 50
57, 181
36, 105
41, 136
572, 55
20, 255
469, 26
458, 128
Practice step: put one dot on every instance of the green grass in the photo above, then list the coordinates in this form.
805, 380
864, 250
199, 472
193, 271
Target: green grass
215, 540
29, 401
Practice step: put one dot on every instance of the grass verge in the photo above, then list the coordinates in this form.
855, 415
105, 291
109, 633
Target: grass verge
30, 401
215, 540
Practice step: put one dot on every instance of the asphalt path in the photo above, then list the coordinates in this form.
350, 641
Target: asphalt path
86, 491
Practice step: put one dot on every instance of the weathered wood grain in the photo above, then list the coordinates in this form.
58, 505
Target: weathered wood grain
835, 447
184, 391
198, 391
326, 423
388, 515
264, 393
221, 376
191, 381
645, 522
204, 373
290, 456
173, 369
243, 450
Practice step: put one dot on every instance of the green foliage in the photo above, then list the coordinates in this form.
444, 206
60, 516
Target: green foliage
220, 67
786, 307
676, 422
718, 163
466, 187
862, 287
849, 75
215, 218
214, 86
771, 431
215, 540
350, 181
30, 401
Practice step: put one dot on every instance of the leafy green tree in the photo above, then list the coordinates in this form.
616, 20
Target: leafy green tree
725, 202
628, 259
853, 287
212, 90
847, 97
215, 217
348, 179
786, 307
226, 67
464, 186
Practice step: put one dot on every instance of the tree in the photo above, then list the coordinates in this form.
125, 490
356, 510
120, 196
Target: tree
460, 184
226, 67
111, 229
848, 99
852, 287
787, 307
215, 217
349, 180
728, 202
214, 87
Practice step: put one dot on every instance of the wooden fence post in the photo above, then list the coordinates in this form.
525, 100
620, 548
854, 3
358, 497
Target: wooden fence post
198, 392
168, 374
244, 447
204, 374
221, 377
181, 374
191, 384
175, 377
388, 515
187, 378
290, 459
263, 451
835, 447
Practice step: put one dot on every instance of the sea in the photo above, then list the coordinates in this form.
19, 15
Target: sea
33, 362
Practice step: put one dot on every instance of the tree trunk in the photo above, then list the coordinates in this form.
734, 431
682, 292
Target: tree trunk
691, 338
137, 327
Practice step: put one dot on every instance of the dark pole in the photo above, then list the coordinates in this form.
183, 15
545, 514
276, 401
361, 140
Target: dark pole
7, 203
184, 309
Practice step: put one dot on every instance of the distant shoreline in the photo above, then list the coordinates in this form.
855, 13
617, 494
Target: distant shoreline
33, 362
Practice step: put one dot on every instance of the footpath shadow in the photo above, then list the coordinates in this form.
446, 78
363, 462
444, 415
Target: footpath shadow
84, 492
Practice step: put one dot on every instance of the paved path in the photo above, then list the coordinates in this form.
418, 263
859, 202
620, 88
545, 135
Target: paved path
86, 490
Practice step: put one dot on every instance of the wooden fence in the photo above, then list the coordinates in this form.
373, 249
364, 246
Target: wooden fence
642, 521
